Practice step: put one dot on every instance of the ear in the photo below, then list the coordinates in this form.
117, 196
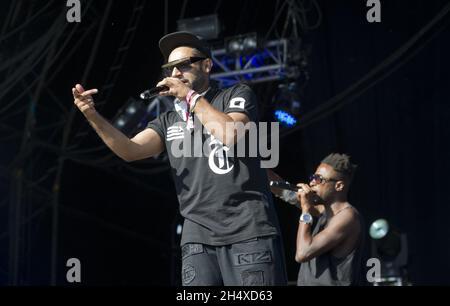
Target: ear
339, 186
208, 65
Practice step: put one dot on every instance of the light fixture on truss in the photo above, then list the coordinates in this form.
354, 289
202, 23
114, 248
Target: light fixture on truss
207, 27
247, 59
287, 104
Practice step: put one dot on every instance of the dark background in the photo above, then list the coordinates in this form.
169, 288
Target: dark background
119, 218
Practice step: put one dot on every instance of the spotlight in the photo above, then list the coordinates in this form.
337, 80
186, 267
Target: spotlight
250, 43
235, 46
131, 109
285, 117
207, 27
242, 43
379, 229
130, 116
287, 104
389, 245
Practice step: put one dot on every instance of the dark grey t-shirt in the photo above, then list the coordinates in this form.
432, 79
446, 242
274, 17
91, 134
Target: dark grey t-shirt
327, 270
223, 199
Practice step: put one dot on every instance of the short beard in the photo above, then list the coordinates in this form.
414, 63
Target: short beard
200, 84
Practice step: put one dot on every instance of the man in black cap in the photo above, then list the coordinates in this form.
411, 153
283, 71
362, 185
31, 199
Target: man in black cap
230, 234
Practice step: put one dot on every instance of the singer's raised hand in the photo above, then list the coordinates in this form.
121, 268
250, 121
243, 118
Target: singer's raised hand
83, 99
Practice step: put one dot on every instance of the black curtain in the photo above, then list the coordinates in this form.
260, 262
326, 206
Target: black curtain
397, 131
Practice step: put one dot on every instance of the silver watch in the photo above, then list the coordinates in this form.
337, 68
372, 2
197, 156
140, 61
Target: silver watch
306, 218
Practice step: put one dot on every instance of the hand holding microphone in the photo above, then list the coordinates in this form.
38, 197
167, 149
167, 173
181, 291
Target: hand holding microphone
307, 197
285, 191
177, 87
168, 87
302, 193
153, 92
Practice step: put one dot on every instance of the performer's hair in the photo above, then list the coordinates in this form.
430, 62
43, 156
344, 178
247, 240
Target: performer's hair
341, 164
198, 52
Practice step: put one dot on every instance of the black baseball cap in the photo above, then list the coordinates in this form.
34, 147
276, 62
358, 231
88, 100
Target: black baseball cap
182, 39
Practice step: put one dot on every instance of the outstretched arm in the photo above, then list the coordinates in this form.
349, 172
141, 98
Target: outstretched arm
145, 144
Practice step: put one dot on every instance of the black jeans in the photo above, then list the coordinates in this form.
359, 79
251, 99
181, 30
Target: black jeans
255, 262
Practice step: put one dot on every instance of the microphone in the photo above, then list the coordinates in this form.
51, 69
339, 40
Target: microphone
289, 193
152, 92
284, 185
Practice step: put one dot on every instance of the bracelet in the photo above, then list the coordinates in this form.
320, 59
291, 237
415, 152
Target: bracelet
189, 96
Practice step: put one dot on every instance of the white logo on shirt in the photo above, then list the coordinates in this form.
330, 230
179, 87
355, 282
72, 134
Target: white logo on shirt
219, 154
174, 132
237, 103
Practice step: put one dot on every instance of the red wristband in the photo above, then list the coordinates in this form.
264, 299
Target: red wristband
189, 96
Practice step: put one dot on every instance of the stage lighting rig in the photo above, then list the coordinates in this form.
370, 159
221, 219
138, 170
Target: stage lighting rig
287, 104
248, 60
390, 246
207, 27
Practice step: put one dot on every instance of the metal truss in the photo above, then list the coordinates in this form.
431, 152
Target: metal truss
33, 183
122, 50
269, 63
39, 149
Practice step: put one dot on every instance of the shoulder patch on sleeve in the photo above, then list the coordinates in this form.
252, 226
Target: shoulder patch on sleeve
237, 102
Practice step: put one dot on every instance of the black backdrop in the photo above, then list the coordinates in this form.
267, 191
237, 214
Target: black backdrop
397, 132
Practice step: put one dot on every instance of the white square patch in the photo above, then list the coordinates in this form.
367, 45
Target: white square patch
237, 103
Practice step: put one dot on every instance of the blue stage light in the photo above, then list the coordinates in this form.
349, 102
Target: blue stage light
287, 104
285, 118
